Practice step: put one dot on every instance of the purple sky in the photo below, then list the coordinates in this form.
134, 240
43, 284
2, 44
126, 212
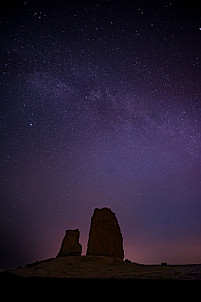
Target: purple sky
101, 106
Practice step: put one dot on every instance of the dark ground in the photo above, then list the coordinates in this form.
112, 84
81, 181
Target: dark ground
96, 289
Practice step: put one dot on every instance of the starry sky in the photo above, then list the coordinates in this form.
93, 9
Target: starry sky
100, 107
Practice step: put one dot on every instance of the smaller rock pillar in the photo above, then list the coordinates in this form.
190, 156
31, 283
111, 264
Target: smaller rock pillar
70, 245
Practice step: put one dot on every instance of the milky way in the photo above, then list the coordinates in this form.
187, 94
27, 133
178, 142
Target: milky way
101, 106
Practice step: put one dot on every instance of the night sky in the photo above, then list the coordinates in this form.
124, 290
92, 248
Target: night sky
100, 107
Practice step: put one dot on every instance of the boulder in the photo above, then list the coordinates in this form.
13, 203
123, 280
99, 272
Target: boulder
105, 238
70, 245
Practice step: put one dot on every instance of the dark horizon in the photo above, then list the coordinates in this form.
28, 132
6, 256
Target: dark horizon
101, 107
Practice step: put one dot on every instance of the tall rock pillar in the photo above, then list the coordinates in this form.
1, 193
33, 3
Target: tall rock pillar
105, 238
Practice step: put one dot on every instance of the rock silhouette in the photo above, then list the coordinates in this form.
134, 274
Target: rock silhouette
70, 245
105, 238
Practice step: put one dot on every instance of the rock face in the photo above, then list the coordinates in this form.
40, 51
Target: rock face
70, 245
105, 238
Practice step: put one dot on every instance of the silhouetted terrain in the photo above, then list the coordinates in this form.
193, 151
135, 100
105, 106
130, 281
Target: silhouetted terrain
100, 277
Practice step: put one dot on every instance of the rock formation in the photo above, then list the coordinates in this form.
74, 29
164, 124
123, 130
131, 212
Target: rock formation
105, 238
70, 245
